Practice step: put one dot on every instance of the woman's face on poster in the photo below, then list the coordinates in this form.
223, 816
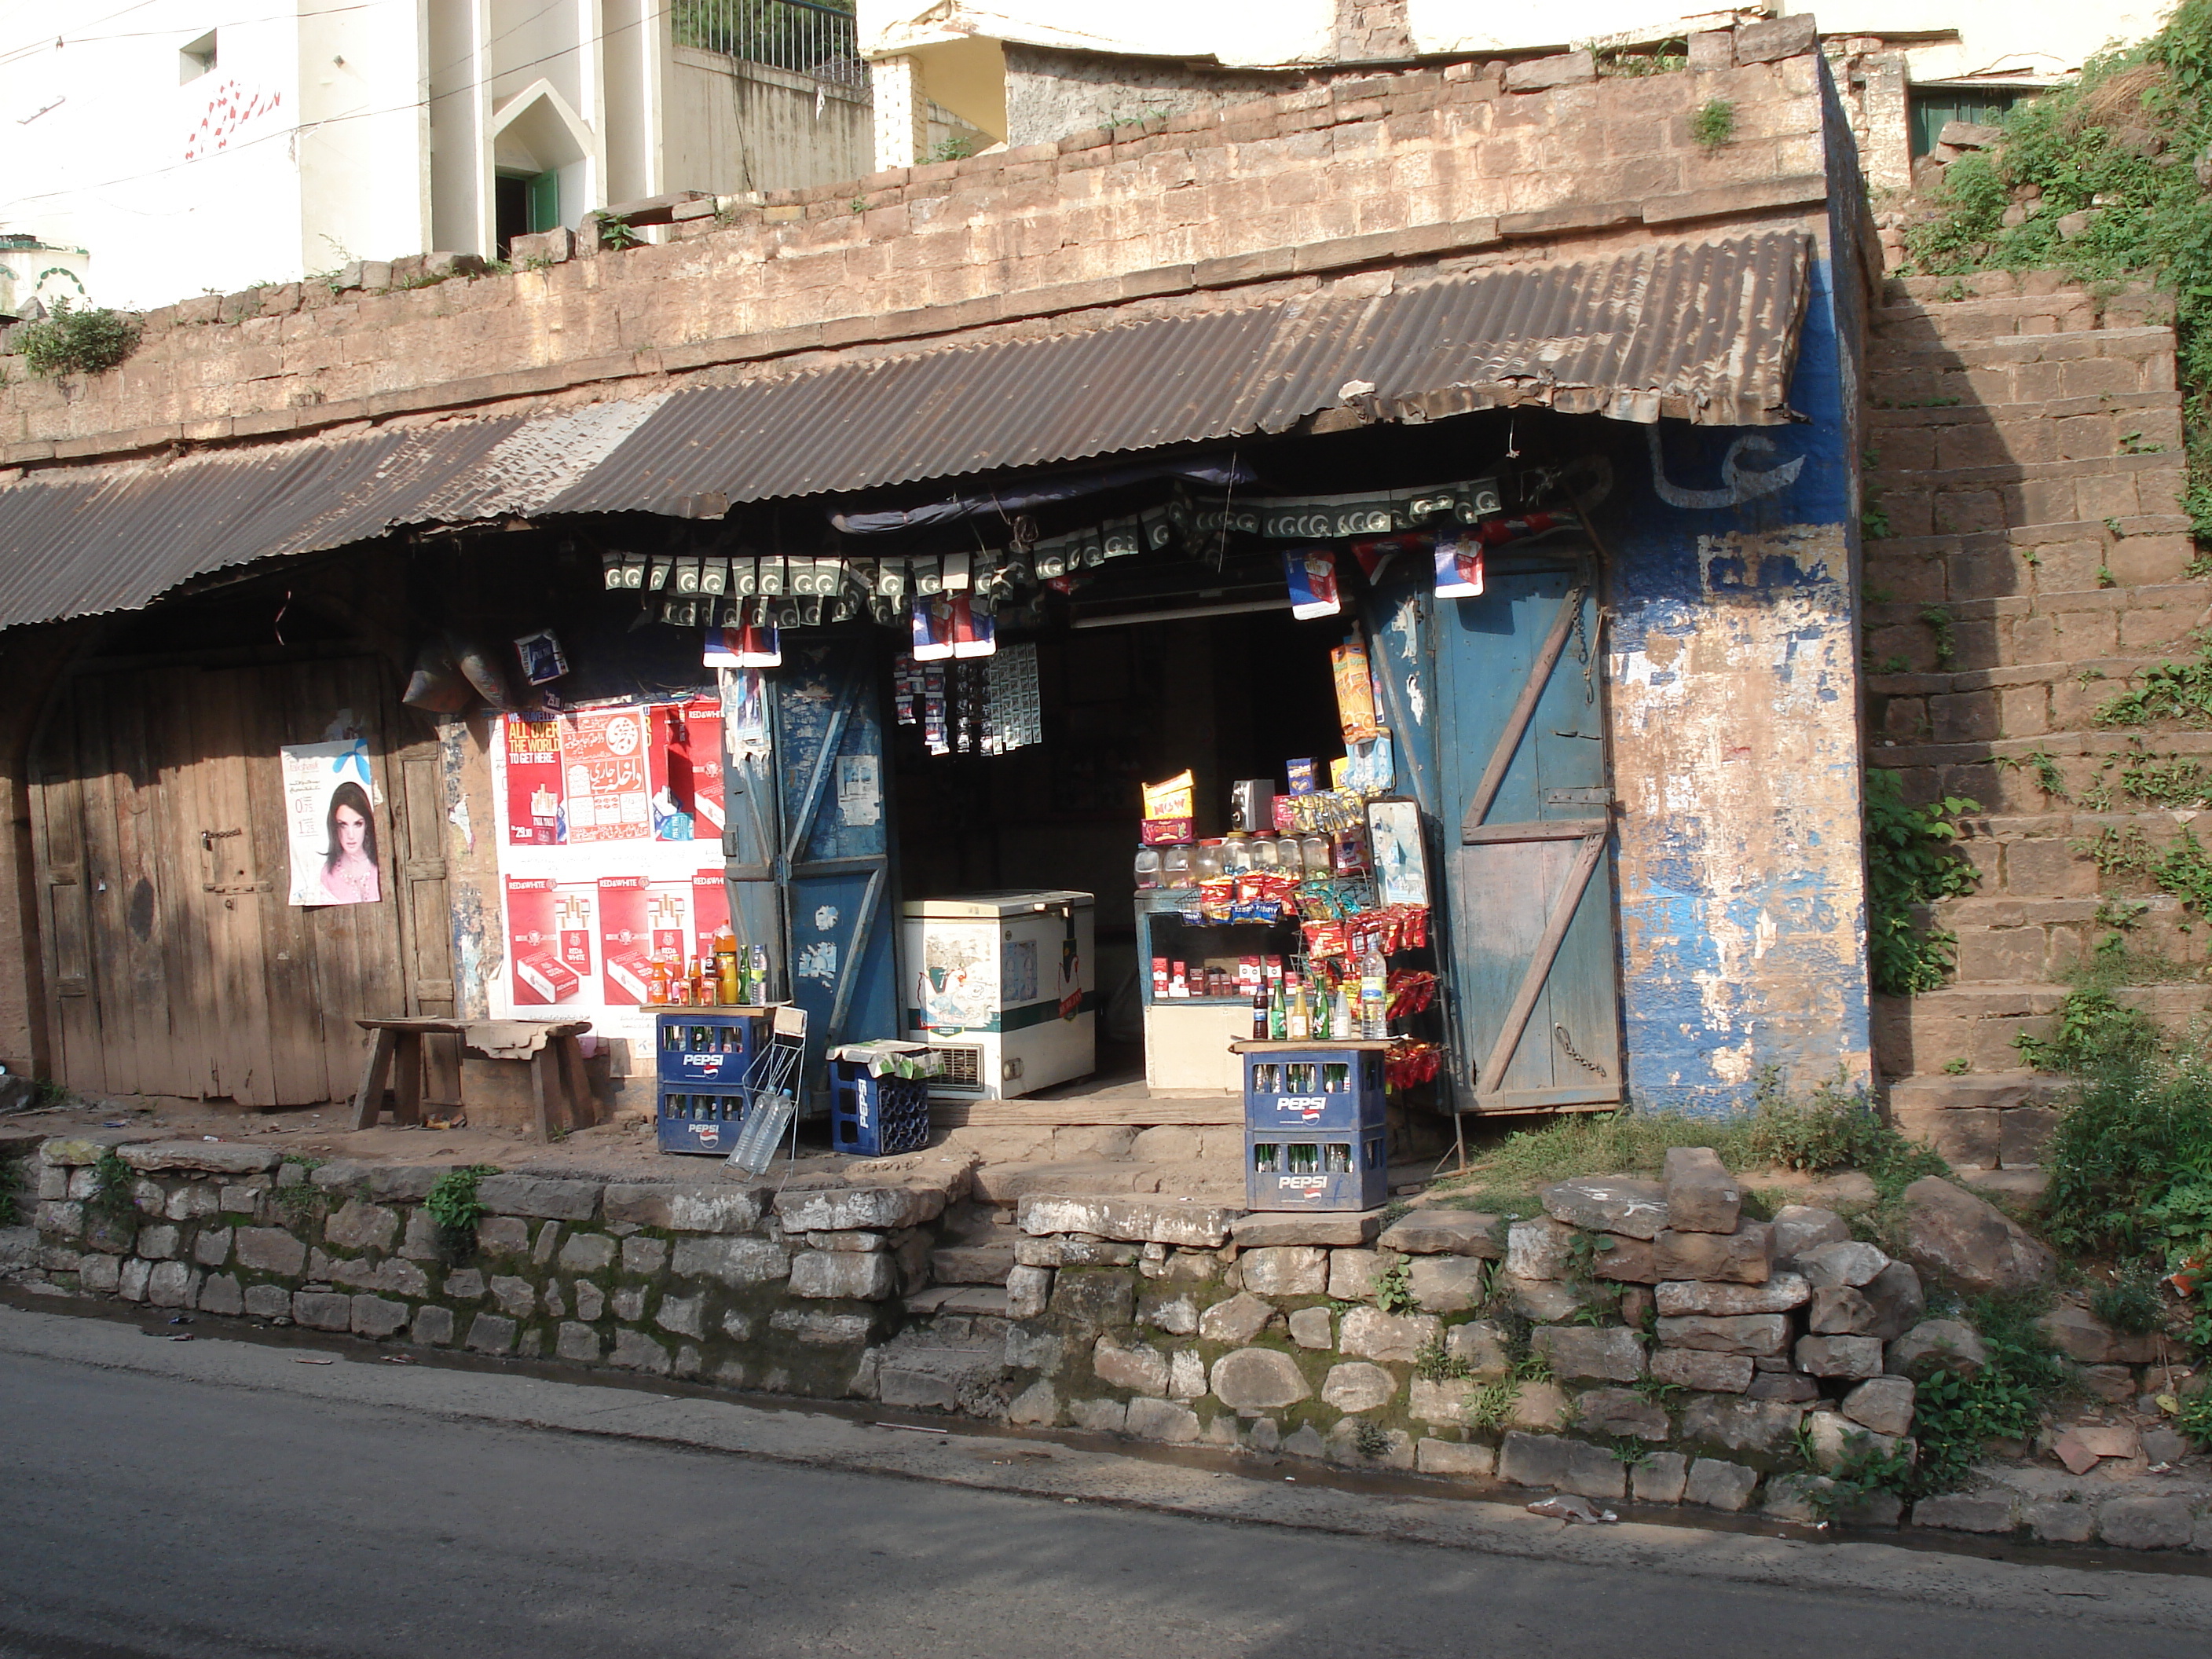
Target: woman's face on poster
352, 828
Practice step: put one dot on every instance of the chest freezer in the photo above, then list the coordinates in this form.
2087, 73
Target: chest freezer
1003, 986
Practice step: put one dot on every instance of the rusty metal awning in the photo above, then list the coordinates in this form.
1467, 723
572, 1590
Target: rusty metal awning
1705, 332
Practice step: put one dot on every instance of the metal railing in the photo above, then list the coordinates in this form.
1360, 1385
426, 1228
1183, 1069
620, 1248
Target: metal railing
798, 36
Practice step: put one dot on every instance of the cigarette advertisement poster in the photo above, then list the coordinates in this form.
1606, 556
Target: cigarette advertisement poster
331, 820
609, 837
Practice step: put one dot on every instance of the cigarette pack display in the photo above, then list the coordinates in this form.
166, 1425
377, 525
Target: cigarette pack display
544, 980
625, 939
537, 976
1167, 832
710, 910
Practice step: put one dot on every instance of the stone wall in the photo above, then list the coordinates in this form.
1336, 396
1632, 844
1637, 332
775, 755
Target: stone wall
1638, 1339
1372, 170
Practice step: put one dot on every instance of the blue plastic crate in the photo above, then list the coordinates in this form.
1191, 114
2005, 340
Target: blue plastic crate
696, 1120
1315, 1169
1317, 1088
705, 1047
875, 1117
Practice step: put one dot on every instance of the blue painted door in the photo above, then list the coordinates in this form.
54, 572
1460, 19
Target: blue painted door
832, 848
1499, 704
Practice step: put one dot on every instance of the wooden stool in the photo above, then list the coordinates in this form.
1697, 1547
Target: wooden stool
559, 1089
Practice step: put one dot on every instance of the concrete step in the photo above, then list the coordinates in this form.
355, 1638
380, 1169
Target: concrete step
1899, 424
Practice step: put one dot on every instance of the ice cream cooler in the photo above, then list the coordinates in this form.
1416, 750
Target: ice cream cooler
1002, 988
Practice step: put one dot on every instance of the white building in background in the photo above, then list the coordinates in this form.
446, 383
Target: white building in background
176, 147
1025, 70
190, 146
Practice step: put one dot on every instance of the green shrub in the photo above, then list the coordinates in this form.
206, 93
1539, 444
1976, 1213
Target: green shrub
1714, 123
2096, 1033
1912, 861
2126, 1137
1954, 1418
73, 342
2132, 1301
452, 1204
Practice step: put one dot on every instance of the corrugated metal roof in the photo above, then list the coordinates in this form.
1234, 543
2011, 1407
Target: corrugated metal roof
75, 545
1706, 333
1702, 332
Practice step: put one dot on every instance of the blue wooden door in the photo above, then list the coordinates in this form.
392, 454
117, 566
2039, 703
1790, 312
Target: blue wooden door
1511, 768
833, 844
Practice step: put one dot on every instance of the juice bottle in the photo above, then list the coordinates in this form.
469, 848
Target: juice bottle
679, 987
725, 967
656, 984
1299, 1027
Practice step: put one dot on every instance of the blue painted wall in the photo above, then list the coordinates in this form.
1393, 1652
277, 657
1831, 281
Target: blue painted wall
1736, 748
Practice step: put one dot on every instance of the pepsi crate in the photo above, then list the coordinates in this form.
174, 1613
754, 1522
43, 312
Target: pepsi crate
875, 1117
1317, 1169
704, 1121
708, 1047
1323, 1085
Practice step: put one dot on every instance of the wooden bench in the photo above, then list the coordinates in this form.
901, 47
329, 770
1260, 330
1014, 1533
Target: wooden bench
560, 1094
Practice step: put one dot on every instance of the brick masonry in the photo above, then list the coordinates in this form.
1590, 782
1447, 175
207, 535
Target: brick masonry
1371, 170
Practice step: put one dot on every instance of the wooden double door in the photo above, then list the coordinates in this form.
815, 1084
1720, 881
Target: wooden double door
174, 964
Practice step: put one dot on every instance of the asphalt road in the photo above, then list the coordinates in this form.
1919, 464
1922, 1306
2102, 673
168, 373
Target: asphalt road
154, 1515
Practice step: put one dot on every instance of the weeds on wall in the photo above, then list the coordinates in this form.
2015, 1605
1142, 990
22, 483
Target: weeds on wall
2177, 691
2115, 156
73, 342
2092, 1031
455, 1207
1714, 123
1912, 861
1630, 62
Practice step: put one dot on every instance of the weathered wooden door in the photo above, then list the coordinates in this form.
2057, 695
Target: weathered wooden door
1500, 704
174, 964
1521, 675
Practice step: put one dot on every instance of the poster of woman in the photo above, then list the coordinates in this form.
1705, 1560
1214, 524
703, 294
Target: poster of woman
330, 819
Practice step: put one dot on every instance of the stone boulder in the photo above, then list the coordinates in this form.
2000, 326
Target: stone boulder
1702, 1196
1949, 1232
1799, 1227
1446, 1232
1608, 1204
1258, 1380
1745, 1256
1937, 1345
1603, 1354
1850, 1262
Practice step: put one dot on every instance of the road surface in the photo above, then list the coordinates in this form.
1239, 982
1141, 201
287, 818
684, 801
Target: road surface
255, 1509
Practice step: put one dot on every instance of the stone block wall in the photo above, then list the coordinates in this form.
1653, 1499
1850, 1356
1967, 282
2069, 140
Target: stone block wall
1636, 1339
2027, 468
1370, 170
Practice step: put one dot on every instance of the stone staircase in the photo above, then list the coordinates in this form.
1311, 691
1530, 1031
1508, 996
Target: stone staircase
2024, 446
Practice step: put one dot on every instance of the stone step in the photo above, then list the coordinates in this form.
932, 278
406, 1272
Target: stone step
985, 1299
1901, 423
1976, 1022
1994, 285
978, 1259
1992, 1120
1891, 353
1006, 1184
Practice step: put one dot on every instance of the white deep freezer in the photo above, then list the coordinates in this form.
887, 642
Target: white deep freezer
1004, 987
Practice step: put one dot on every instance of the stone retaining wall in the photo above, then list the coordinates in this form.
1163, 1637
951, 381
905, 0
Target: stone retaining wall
1639, 1339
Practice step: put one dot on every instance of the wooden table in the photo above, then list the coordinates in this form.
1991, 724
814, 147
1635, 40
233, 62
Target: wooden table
558, 1088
